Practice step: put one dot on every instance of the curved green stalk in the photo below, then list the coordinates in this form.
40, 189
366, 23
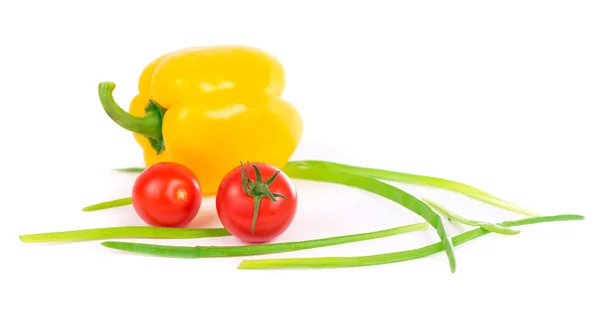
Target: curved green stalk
356, 261
488, 226
419, 180
108, 204
125, 232
149, 125
130, 169
382, 189
215, 251
407, 178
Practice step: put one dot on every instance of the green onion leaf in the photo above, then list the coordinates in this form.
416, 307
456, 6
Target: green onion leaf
125, 232
130, 169
108, 204
356, 261
488, 226
223, 251
407, 178
382, 189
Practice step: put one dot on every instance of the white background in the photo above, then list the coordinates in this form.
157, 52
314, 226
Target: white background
499, 95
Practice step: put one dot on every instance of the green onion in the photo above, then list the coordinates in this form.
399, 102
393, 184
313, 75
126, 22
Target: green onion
416, 179
488, 226
382, 189
125, 232
366, 179
339, 262
108, 204
130, 169
401, 177
222, 251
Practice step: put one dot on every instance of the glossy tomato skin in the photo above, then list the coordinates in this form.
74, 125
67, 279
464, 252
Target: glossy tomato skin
236, 208
167, 195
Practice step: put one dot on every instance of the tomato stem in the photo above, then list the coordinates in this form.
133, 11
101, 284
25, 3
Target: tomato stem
258, 189
255, 215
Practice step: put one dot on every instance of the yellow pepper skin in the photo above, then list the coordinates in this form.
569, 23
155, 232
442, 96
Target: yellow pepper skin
210, 108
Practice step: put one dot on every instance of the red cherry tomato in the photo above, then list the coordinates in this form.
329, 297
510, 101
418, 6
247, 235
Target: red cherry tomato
167, 195
235, 206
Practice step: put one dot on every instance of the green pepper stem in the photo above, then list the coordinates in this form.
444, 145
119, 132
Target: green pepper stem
150, 125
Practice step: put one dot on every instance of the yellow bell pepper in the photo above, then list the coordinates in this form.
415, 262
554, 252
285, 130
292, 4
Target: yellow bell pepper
209, 108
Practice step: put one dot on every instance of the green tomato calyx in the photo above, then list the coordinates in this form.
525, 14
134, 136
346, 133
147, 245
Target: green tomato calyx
258, 189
